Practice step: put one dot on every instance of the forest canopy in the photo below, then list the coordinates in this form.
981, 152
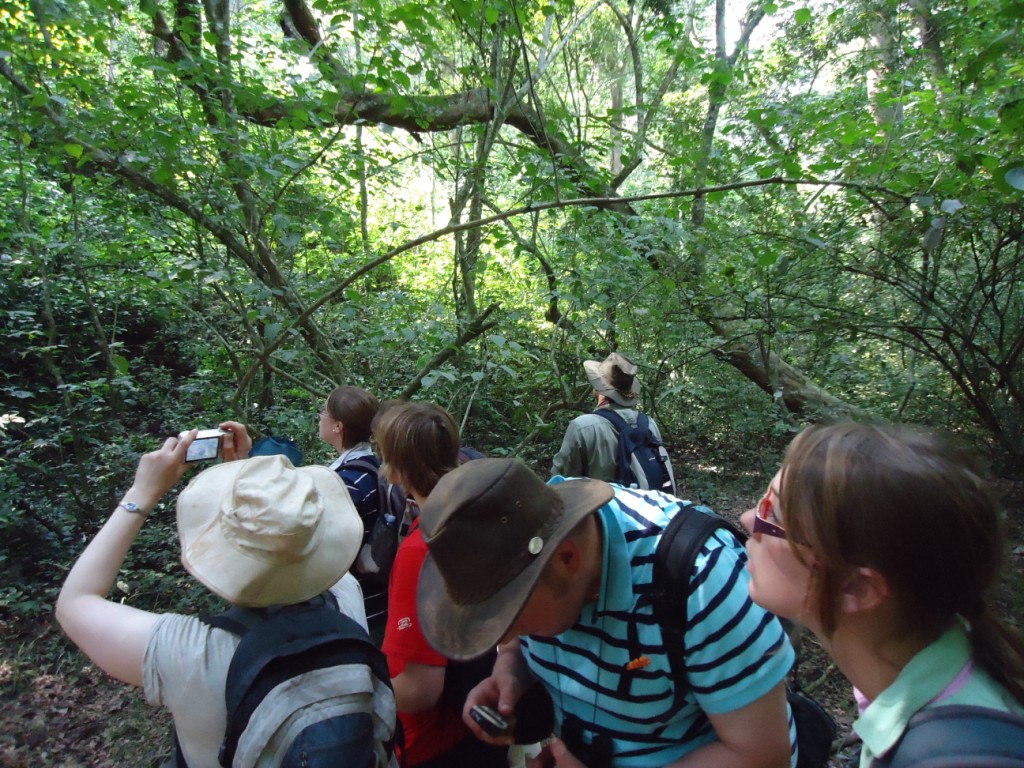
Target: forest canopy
783, 211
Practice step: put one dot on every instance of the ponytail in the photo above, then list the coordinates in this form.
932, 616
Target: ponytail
998, 649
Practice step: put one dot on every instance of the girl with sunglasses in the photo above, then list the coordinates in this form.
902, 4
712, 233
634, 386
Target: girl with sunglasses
885, 542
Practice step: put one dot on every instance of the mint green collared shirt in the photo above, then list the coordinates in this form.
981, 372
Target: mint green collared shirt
927, 675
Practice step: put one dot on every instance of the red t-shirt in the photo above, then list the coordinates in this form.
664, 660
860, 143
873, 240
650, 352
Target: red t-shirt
436, 730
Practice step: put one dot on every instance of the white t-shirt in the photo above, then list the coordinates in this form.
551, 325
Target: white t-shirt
185, 668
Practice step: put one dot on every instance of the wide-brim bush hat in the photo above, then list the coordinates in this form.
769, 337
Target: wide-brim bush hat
615, 378
262, 532
490, 527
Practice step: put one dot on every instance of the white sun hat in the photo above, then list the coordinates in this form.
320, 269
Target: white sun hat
262, 532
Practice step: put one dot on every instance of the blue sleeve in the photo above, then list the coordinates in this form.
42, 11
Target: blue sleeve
736, 651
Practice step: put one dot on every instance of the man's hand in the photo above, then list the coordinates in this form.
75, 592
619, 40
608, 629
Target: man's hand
488, 693
501, 691
236, 444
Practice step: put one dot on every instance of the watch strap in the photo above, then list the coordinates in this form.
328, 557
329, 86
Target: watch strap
131, 506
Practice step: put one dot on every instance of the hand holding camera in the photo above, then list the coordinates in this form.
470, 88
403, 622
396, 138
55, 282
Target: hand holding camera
205, 447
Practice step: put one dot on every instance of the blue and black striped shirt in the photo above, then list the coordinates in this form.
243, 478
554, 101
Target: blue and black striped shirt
735, 651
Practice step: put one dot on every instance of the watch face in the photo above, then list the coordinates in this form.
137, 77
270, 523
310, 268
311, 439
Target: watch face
131, 506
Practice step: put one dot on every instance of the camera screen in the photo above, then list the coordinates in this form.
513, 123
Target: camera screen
203, 449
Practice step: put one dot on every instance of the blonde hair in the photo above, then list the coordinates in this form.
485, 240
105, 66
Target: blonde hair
419, 440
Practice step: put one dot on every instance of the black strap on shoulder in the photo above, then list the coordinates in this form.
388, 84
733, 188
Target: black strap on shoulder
674, 561
618, 424
616, 421
238, 620
959, 736
623, 471
361, 464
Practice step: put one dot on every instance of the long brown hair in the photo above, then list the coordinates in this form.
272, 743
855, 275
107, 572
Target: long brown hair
915, 507
419, 440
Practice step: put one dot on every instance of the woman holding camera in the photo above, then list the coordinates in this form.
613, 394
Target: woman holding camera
227, 512
885, 541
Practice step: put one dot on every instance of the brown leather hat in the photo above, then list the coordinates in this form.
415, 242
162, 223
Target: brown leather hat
490, 527
615, 378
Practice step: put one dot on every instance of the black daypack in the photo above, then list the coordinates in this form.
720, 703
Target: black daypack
391, 523
323, 688
641, 461
394, 514
959, 736
674, 560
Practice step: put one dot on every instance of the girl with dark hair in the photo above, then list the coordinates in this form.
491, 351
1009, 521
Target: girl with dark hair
885, 542
346, 424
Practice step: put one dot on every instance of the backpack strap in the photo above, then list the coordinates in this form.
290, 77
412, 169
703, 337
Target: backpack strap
674, 560
623, 473
361, 464
959, 736
617, 421
238, 620
642, 420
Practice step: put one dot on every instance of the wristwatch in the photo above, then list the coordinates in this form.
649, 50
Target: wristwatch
131, 506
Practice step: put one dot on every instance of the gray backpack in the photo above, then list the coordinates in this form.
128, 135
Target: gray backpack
306, 687
959, 736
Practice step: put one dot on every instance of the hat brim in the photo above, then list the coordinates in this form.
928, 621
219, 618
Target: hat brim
597, 381
248, 581
463, 632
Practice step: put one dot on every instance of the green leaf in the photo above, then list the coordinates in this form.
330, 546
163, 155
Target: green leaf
802, 15
120, 363
75, 150
491, 15
991, 52
401, 78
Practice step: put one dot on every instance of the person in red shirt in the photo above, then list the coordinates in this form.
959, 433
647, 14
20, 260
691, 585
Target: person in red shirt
419, 443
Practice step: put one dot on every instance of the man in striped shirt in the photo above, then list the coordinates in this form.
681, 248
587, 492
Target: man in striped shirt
560, 575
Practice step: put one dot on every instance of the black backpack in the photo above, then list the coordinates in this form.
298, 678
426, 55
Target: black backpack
392, 522
328, 684
641, 461
959, 736
674, 560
